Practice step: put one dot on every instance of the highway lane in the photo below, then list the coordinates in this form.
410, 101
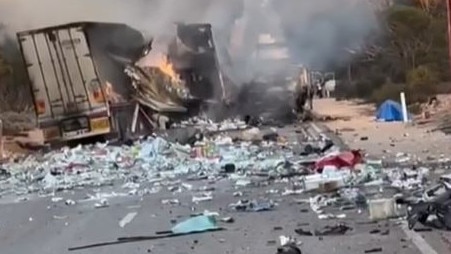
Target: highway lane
42, 226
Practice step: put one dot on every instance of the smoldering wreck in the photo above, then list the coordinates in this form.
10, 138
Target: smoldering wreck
81, 71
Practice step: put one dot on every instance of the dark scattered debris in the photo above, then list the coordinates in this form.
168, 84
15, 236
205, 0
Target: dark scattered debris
4, 174
303, 232
374, 250
422, 229
375, 231
228, 220
288, 249
229, 168
385, 232
273, 136
198, 136
339, 229
252, 121
435, 201
310, 149
253, 206
366, 222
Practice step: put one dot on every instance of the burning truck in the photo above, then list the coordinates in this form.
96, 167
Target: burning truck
92, 79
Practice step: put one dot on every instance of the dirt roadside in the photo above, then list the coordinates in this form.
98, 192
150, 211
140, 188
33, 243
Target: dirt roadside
355, 124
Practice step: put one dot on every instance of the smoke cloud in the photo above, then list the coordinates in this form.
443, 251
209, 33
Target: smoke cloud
312, 33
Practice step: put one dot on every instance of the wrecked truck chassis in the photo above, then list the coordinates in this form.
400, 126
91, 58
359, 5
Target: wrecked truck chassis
421, 210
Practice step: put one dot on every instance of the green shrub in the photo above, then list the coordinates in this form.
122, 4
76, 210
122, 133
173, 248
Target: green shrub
385, 92
422, 83
423, 76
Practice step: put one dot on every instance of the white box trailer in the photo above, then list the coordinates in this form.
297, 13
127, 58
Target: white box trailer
68, 66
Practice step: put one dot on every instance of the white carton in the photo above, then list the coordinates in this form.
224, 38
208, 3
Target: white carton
382, 208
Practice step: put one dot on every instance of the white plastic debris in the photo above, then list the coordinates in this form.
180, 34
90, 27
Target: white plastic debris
70, 202
170, 201
288, 192
284, 240
102, 204
187, 186
238, 194
59, 217
209, 213
57, 199
147, 163
331, 216
203, 198
130, 185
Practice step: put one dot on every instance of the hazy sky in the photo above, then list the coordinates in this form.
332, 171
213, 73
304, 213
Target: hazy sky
314, 30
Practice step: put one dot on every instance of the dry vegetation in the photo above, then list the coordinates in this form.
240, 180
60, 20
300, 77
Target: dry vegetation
411, 56
16, 111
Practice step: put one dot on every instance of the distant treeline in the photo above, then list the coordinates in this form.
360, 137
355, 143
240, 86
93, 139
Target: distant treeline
410, 54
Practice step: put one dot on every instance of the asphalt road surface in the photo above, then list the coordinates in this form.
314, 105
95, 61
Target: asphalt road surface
43, 226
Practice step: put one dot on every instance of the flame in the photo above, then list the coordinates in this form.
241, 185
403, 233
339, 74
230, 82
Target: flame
159, 60
167, 68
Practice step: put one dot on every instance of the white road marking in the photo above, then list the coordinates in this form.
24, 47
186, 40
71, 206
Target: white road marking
316, 128
418, 240
127, 219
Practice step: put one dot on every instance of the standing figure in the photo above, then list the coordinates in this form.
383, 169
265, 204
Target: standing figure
301, 97
311, 94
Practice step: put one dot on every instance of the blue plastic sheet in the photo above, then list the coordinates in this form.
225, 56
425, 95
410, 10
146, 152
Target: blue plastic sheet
195, 225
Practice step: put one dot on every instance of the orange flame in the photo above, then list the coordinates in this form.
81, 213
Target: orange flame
167, 68
159, 60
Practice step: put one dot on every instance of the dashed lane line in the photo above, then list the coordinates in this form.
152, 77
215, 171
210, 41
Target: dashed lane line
127, 219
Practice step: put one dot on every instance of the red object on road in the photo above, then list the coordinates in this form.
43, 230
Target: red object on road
345, 159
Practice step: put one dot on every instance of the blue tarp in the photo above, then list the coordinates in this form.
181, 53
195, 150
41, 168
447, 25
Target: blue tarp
390, 111
196, 224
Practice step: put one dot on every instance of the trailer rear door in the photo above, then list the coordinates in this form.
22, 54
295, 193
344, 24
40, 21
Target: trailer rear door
62, 73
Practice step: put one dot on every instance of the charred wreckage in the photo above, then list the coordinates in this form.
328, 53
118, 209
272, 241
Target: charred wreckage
104, 79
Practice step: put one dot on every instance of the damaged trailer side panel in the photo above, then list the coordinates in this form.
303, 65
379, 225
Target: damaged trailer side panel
61, 71
66, 81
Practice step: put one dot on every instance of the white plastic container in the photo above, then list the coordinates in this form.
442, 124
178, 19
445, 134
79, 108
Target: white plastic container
382, 209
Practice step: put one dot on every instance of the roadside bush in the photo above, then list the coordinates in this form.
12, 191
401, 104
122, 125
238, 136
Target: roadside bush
423, 75
387, 91
14, 91
363, 88
422, 83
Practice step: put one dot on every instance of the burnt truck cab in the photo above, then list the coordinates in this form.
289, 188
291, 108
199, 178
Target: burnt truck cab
194, 55
180, 77
68, 67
